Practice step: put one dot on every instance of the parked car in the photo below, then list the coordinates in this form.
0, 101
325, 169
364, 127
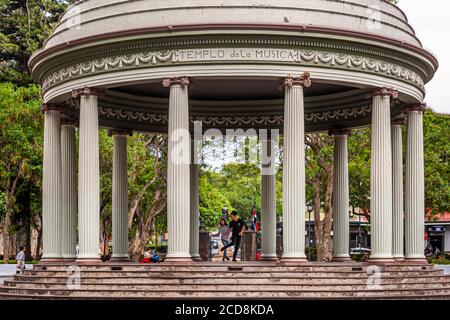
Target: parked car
357, 251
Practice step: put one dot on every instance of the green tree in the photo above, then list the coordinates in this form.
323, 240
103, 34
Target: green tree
24, 25
437, 157
21, 140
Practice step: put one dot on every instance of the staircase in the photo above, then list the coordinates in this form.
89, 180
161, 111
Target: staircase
219, 280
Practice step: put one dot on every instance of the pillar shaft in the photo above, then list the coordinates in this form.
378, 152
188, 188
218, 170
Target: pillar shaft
268, 203
52, 182
69, 192
195, 215
397, 193
415, 185
120, 199
89, 180
381, 179
341, 227
178, 175
294, 171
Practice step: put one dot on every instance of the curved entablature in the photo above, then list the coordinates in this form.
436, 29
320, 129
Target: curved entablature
347, 109
129, 47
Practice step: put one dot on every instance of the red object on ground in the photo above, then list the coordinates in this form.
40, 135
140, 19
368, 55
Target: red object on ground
258, 256
145, 260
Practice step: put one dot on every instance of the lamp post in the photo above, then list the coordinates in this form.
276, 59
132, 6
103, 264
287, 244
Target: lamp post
310, 209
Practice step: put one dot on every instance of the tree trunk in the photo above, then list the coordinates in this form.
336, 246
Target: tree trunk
37, 254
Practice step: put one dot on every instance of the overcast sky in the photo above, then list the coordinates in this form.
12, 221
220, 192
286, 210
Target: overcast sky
431, 20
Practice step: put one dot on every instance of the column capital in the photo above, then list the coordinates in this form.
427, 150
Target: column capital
120, 132
86, 91
70, 122
340, 132
416, 107
303, 80
399, 122
182, 81
51, 107
384, 92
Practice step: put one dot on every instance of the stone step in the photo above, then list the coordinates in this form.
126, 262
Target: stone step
229, 294
232, 280
227, 267
224, 287
206, 273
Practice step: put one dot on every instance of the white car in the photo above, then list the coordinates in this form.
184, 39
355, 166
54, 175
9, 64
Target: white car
357, 251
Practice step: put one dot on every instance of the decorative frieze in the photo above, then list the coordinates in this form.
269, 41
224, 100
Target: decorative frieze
231, 120
233, 55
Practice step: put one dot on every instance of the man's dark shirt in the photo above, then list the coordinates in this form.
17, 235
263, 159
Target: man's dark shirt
237, 227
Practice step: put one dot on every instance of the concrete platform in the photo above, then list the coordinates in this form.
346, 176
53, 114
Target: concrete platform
218, 280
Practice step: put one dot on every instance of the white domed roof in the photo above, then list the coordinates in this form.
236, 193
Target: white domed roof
97, 18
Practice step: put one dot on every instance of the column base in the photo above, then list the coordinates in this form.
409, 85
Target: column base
52, 260
341, 259
294, 260
88, 261
418, 261
381, 261
120, 259
196, 258
269, 257
181, 259
399, 258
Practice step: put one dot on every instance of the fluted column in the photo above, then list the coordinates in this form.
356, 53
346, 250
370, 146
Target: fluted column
415, 187
178, 171
341, 201
88, 177
120, 197
294, 170
268, 202
69, 191
381, 177
195, 214
51, 197
397, 191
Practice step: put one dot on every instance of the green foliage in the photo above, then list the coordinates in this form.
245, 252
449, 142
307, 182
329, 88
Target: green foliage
359, 168
238, 186
21, 133
437, 157
2, 205
24, 25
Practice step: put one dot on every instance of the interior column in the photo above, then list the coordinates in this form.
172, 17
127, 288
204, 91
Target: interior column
268, 202
195, 214
69, 190
120, 197
397, 191
341, 201
294, 170
178, 171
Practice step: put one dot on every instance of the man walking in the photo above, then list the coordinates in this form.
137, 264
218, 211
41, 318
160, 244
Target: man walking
237, 226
